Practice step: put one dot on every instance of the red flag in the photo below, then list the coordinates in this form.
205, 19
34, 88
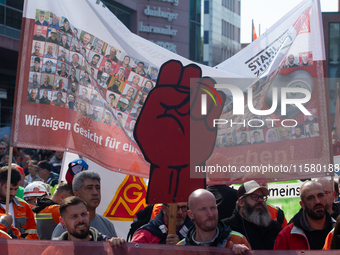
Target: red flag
254, 35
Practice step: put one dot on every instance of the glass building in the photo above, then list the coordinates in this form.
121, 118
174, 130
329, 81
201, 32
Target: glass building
222, 22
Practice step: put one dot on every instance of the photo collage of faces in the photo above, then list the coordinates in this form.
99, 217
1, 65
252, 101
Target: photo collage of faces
302, 59
72, 68
264, 130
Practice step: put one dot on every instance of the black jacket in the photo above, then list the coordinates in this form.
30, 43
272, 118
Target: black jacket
316, 238
259, 238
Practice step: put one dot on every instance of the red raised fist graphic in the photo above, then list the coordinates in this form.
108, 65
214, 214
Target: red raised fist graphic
173, 134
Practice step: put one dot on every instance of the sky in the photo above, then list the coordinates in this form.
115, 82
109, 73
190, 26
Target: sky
267, 12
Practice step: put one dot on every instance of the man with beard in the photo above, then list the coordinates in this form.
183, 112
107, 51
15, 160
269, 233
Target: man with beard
95, 60
75, 218
252, 218
208, 230
86, 185
156, 231
53, 36
32, 98
115, 87
311, 225
46, 84
23, 217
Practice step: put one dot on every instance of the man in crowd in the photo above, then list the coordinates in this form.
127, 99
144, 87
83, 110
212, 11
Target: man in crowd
312, 131
46, 84
156, 230
45, 172
83, 95
75, 218
244, 139
252, 218
257, 138
35, 82
59, 101
75, 61
37, 47
139, 69
55, 22
208, 230
47, 210
23, 217
38, 36
330, 194
112, 55
95, 114
41, 20
86, 40
291, 60
56, 161
63, 41
50, 51
311, 224
284, 134
95, 60
107, 67
298, 133
54, 37
129, 94
115, 87
98, 47
63, 56
86, 185
44, 99
36, 67
33, 97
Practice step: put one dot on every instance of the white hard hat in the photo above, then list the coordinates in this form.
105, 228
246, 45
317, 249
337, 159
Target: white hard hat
35, 190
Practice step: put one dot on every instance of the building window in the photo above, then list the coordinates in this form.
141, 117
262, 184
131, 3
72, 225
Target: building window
206, 37
122, 13
206, 7
334, 40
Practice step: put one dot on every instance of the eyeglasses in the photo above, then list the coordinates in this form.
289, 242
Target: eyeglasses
184, 208
257, 197
2, 148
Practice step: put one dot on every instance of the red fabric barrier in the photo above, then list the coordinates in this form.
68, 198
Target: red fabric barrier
20, 247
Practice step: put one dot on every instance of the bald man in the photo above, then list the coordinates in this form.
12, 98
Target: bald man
311, 224
208, 230
332, 208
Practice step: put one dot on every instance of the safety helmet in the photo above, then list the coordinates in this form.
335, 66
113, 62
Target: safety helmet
35, 190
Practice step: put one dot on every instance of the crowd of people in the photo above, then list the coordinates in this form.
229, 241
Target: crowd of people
42, 208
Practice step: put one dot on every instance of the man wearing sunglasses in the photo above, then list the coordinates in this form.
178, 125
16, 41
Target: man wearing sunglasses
156, 231
252, 218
